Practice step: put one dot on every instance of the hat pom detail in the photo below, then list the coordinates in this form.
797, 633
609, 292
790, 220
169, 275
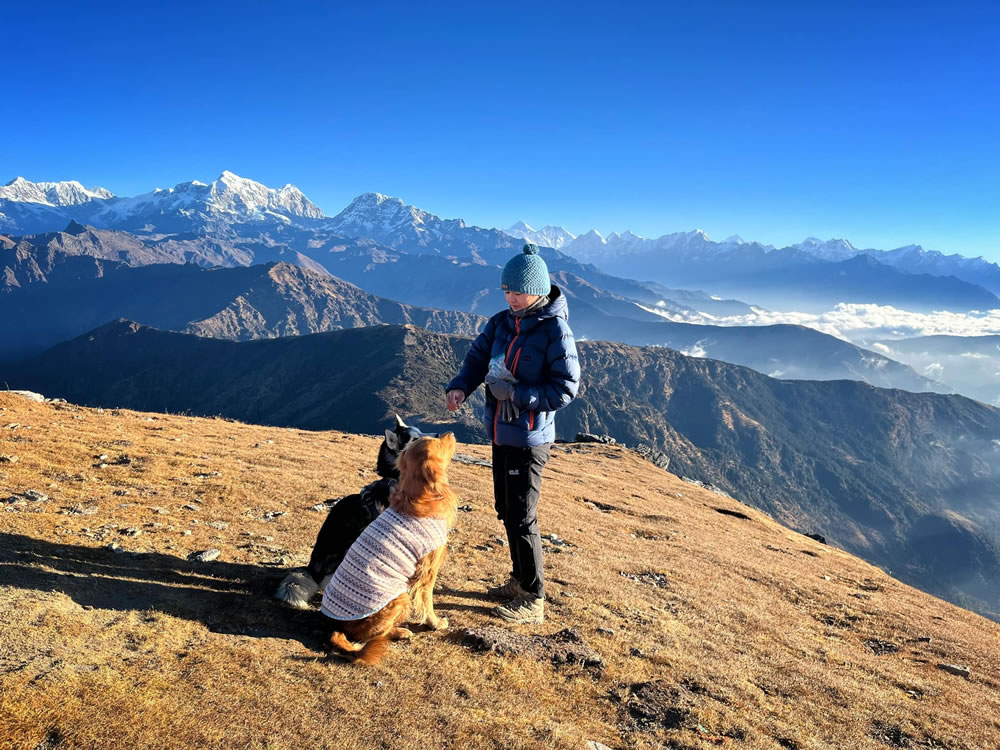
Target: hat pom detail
531, 249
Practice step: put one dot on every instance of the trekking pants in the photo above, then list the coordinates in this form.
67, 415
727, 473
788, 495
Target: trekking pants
517, 482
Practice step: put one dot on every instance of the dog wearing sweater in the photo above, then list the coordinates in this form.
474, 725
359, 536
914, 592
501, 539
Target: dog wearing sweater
346, 520
391, 568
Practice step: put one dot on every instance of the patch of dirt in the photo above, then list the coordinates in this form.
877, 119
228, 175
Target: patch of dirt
881, 647
564, 647
659, 704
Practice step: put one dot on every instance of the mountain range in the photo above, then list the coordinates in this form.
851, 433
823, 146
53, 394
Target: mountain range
626, 249
905, 480
61, 284
909, 276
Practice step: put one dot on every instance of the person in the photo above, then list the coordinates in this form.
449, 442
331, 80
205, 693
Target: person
527, 358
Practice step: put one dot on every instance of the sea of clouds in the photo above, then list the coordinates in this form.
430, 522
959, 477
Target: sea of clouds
853, 322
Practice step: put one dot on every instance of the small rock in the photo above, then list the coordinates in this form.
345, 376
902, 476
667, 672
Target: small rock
188, 506
206, 555
102, 457
12, 425
120, 493
956, 669
205, 474
114, 547
606, 631
272, 514
220, 525
186, 532
593, 745
35, 496
130, 531
8, 459
586, 437
30, 395
636, 652
322, 507
465, 508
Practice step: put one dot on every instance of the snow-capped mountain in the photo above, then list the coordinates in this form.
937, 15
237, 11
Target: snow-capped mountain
68, 193
548, 236
228, 200
833, 249
392, 222
591, 247
29, 208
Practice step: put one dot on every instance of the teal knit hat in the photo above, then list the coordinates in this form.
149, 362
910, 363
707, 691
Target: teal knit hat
527, 273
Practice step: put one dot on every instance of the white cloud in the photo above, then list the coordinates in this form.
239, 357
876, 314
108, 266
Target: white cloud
881, 349
698, 350
973, 355
934, 370
852, 321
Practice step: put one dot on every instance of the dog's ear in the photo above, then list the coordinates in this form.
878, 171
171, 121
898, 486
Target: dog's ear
400, 424
391, 441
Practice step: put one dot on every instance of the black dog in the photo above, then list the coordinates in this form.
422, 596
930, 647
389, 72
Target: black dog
347, 519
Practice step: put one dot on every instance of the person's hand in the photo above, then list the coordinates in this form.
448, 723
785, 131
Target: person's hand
455, 399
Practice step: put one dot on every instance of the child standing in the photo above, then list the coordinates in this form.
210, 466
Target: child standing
526, 356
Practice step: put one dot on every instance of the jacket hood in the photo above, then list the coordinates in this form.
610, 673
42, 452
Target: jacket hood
557, 307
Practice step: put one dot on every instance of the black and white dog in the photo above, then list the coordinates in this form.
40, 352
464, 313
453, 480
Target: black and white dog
347, 519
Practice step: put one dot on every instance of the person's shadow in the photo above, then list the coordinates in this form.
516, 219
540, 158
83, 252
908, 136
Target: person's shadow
226, 597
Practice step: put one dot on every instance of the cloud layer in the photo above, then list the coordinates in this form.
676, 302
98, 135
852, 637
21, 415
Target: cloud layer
852, 322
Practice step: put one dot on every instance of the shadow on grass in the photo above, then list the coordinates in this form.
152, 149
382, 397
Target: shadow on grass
228, 598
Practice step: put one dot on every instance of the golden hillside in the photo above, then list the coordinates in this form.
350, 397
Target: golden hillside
715, 625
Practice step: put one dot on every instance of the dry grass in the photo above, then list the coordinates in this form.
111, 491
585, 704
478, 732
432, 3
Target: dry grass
757, 640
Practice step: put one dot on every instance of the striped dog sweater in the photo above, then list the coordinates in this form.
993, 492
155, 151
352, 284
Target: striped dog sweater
379, 565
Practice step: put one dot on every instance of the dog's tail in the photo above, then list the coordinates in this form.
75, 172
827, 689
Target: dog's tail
369, 654
373, 651
297, 589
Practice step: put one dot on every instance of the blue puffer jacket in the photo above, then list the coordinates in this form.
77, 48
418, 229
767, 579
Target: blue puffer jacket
541, 353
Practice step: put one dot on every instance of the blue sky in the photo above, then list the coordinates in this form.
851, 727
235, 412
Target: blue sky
875, 121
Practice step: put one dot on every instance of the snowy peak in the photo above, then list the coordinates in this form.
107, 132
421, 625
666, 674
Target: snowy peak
67, 193
385, 218
833, 249
234, 194
549, 236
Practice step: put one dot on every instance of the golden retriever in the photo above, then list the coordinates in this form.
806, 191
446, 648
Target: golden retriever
423, 507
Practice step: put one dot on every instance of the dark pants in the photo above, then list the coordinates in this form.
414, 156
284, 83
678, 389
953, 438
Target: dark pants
517, 482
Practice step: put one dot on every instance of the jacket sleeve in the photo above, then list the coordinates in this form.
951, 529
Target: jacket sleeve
477, 361
563, 375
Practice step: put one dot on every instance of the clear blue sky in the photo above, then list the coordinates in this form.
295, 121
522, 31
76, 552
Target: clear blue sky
873, 121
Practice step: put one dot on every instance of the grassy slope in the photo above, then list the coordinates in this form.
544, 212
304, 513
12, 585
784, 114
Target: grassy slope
760, 633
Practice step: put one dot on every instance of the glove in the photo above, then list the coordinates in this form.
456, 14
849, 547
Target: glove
508, 412
502, 390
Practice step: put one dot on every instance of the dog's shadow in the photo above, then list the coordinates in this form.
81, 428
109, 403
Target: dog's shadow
230, 598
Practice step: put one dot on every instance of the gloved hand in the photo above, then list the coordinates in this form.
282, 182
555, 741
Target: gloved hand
502, 390
508, 412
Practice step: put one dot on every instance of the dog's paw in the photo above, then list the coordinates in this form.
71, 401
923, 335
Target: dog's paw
441, 624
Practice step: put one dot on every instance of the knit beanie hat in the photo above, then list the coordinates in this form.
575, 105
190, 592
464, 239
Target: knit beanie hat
527, 273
